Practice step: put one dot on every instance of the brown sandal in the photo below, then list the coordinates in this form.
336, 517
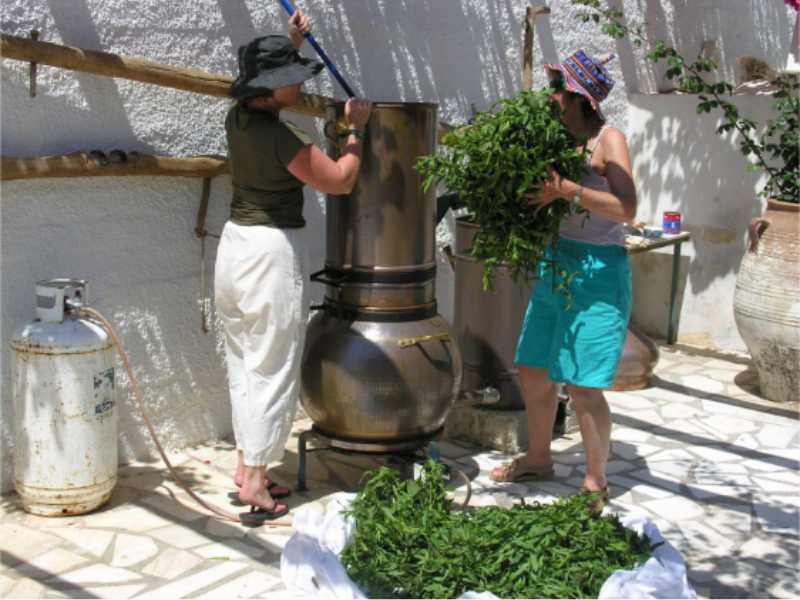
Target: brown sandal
515, 472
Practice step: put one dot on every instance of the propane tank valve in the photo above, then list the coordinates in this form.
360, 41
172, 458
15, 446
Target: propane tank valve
55, 296
75, 303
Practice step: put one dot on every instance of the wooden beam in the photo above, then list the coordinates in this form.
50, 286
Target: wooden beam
146, 71
136, 69
84, 164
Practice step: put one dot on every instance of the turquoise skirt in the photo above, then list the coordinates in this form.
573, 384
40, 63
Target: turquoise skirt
578, 336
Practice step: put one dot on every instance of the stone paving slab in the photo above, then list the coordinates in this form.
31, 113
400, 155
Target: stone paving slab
713, 464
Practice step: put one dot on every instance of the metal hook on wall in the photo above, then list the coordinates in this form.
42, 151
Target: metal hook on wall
201, 233
33, 66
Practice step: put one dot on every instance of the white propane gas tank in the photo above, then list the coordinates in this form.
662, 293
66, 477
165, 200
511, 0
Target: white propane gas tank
65, 422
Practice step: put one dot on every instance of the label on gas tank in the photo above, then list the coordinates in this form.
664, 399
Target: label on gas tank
104, 393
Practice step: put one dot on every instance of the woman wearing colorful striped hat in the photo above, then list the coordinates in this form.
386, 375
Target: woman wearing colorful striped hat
579, 341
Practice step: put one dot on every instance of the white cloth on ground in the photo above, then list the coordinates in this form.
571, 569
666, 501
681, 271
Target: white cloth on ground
261, 298
310, 561
662, 576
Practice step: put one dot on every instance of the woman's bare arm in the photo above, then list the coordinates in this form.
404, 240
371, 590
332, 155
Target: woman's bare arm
619, 203
315, 168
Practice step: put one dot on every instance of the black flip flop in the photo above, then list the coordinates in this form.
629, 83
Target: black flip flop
236, 501
258, 516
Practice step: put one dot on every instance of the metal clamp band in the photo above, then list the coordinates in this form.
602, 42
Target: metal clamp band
322, 277
356, 313
392, 277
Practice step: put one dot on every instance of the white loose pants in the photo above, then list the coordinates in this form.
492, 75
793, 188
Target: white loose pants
260, 296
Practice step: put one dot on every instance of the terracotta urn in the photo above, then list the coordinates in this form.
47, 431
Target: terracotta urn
766, 303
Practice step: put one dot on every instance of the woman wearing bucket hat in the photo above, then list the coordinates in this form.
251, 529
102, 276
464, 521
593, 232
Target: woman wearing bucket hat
260, 290
579, 342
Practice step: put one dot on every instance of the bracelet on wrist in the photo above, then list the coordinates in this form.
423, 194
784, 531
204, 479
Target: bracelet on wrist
576, 198
356, 132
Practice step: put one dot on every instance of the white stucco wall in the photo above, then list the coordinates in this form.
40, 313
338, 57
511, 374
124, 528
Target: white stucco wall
681, 164
132, 237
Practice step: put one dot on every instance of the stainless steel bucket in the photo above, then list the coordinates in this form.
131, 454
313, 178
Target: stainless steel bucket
387, 223
487, 345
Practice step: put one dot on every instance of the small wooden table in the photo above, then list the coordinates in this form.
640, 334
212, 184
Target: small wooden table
645, 245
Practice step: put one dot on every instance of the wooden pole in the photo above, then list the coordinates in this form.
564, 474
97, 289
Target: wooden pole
82, 164
527, 51
136, 69
531, 13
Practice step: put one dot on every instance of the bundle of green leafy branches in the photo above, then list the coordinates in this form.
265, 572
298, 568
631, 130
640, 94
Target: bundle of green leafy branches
408, 543
492, 163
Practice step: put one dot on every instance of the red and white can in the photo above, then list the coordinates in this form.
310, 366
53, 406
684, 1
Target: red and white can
672, 222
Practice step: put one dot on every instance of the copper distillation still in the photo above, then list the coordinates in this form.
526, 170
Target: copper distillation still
488, 345
381, 368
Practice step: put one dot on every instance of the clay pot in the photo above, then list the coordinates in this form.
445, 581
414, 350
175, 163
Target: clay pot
766, 303
639, 358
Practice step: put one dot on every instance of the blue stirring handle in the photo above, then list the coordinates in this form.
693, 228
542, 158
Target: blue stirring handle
331, 67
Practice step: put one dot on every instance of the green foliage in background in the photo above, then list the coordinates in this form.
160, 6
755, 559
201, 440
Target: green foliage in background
409, 543
492, 163
773, 148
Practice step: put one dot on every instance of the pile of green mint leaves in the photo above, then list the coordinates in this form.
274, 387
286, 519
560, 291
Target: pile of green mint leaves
493, 163
410, 543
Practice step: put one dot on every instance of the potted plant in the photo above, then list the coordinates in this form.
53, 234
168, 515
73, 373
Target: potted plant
767, 298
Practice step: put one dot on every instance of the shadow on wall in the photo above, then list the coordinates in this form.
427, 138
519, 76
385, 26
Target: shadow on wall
239, 26
379, 49
758, 28
651, 280
77, 28
472, 54
680, 163
133, 242
29, 127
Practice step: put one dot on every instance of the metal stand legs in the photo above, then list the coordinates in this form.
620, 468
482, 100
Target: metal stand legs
301, 462
405, 456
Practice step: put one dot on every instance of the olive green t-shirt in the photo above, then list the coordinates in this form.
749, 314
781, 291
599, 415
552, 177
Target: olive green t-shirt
260, 147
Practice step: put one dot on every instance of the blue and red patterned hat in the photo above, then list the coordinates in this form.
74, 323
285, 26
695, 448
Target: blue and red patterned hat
586, 76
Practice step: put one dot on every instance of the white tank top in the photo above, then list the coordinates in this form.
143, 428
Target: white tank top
595, 229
